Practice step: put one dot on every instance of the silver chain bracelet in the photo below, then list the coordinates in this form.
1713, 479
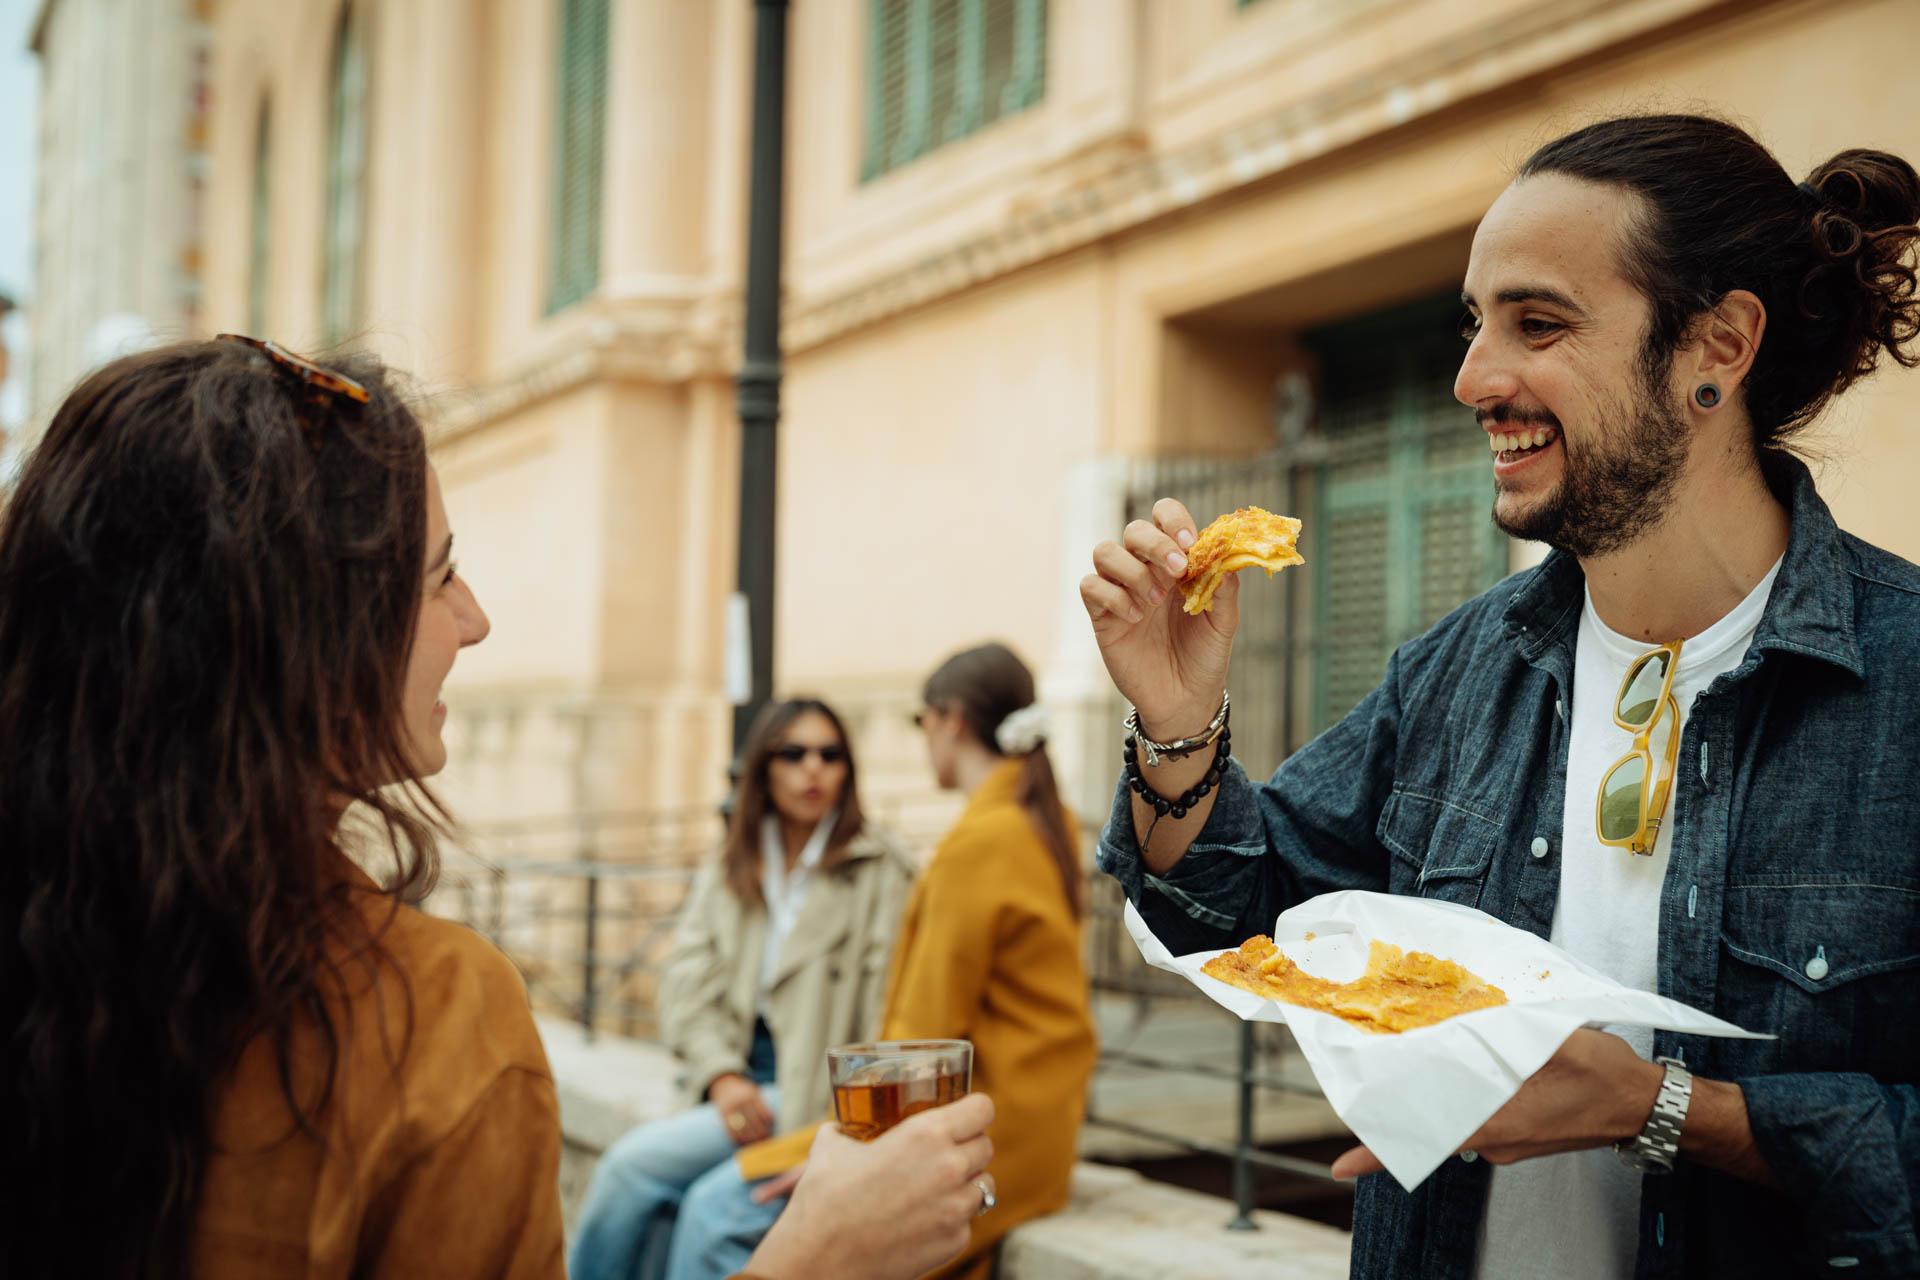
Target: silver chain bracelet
1184, 746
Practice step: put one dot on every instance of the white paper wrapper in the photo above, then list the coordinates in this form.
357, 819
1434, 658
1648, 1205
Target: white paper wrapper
1416, 1097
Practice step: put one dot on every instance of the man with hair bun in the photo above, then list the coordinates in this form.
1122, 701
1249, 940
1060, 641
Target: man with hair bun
1683, 747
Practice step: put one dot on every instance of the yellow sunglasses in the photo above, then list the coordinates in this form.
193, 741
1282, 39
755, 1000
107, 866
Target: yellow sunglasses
1633, 795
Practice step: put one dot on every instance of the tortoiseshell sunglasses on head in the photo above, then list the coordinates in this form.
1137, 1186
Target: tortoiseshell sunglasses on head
308, 373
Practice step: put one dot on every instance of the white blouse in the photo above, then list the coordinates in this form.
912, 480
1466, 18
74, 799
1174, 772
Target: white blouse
785, 893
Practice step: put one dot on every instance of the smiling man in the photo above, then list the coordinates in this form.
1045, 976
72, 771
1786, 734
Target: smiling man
1683, 747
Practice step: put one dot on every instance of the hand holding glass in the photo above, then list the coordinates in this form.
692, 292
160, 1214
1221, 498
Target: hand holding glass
878, 1084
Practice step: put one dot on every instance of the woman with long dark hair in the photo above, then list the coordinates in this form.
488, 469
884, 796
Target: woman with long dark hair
781, 951
227, 608
990, 951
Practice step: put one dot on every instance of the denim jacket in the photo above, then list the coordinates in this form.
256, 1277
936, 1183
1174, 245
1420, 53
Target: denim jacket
1791, 903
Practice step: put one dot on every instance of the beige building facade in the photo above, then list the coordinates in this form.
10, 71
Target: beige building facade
1044, 259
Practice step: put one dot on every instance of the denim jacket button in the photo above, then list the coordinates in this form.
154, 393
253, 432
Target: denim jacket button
1539, 846
1817, 967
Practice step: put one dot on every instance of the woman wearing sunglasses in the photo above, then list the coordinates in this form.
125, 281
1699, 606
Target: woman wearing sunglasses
781, 951
990, 951
227, 610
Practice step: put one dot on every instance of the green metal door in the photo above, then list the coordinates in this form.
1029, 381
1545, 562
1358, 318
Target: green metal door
1402, 493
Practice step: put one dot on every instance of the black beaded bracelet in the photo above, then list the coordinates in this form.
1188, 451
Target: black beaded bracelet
1177, 808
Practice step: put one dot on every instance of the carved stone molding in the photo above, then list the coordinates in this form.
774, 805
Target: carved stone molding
619, 340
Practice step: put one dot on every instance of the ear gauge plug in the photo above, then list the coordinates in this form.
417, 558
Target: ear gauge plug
1706, 395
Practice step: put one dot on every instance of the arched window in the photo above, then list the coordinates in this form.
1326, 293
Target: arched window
257, 235
346, 178
579, 153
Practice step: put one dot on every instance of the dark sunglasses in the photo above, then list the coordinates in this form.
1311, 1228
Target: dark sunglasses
794, 753
323, 382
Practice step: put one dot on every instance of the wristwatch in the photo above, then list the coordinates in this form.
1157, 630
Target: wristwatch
1658, 1144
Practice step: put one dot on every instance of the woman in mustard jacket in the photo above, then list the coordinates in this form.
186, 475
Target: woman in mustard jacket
989, 951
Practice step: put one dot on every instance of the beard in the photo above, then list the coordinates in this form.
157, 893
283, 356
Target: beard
1615, 487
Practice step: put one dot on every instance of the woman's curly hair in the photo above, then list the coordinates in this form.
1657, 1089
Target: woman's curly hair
209, 583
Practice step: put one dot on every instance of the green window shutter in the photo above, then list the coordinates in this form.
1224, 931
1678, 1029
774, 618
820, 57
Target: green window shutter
346, 179
1461, 552
942, 81
1027, 64
1403, 500
939, 70
580, 149
257, 257
1352, 579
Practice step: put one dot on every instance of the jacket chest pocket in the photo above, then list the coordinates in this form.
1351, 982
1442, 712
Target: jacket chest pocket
1831, 969
1440, 849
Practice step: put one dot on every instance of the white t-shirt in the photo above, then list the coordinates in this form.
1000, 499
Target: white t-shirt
1577, 1216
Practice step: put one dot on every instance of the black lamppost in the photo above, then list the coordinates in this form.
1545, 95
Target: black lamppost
759, 381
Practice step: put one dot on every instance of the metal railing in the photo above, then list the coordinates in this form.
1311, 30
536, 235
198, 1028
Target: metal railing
1116, 971
586, 907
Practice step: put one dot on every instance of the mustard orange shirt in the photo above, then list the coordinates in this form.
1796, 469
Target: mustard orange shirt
439, 1152
990, 951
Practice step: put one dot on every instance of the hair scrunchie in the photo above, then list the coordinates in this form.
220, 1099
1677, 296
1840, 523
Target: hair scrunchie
1023, 731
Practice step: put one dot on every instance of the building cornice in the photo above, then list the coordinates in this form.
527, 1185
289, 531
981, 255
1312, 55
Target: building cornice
612, 340
1146, 189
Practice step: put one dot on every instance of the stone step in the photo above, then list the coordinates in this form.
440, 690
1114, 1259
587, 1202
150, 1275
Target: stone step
1122, 1226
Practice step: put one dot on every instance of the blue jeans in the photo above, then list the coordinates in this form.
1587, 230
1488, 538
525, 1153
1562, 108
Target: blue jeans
720, 1226
664, 1181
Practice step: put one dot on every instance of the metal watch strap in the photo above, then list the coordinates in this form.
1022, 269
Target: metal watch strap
1658, 1144
1182, 747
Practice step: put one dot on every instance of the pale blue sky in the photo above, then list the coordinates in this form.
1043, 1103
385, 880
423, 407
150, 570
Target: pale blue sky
19, 100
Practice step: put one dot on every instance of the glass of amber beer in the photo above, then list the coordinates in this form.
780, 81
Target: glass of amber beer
878, 1084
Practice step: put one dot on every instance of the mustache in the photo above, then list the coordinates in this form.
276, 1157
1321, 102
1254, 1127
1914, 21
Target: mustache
1502, 414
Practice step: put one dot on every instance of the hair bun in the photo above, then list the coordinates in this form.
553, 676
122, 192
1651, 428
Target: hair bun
1865, 208
1876, 189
